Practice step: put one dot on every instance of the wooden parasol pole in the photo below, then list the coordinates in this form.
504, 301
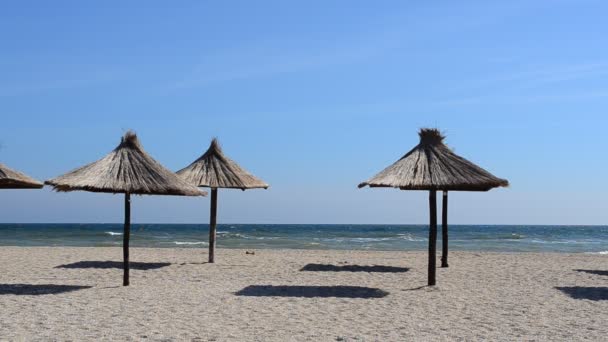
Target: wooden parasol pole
432, 237
125, 241
444, 230
212, 225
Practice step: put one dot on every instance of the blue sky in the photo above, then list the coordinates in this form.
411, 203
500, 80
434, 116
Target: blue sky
313, 97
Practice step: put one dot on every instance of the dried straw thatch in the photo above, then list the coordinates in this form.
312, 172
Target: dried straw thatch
11, 179
433, 166
214, 170
127, 169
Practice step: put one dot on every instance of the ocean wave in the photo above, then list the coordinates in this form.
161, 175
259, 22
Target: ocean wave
364, 240
565, 241
513, 236
232, 235
409, 237
406, 237
568, 239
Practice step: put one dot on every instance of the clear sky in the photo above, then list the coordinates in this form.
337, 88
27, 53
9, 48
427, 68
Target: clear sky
313, 97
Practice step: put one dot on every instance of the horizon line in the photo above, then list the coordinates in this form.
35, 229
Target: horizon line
325, 224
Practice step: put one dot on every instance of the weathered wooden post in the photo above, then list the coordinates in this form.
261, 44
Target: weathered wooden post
444, 230
212, 225
125, 241
432, 237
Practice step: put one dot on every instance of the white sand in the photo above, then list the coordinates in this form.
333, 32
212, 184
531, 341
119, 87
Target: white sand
487, 296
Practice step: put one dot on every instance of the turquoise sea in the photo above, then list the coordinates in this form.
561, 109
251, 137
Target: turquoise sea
506, 238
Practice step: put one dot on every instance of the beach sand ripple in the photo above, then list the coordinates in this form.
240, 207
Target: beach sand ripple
56, 293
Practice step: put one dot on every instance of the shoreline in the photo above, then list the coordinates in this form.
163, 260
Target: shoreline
205, 249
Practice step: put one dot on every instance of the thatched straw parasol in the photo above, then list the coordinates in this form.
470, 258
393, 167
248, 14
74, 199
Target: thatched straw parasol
11, 179
129, 170
433, 166
214, 170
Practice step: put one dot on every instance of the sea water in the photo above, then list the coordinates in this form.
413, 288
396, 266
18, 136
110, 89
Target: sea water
503, 238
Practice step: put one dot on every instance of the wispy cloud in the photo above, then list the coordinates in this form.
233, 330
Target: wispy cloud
531, 85
37, 86
264, 59
518, 99
398, 30
539, 75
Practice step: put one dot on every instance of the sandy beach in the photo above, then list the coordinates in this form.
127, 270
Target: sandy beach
58, 293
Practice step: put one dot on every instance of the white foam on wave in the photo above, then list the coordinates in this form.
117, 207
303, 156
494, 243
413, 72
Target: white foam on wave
232, 235
190, 242
565, 241
600, 253
409, 237
363, 240
113, 233
406, 237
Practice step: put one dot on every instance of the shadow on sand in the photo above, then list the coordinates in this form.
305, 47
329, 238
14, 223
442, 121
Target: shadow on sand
38, 289
353, 268
598, 272
581, 292
115, 264
311, 291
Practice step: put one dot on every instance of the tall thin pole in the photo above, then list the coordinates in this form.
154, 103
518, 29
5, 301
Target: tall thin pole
432, 237
212, 225
125, 241
444, 230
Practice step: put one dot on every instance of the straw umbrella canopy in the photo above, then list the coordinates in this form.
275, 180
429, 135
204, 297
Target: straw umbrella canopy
433, 166
214, 170
12, 179
130, 170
